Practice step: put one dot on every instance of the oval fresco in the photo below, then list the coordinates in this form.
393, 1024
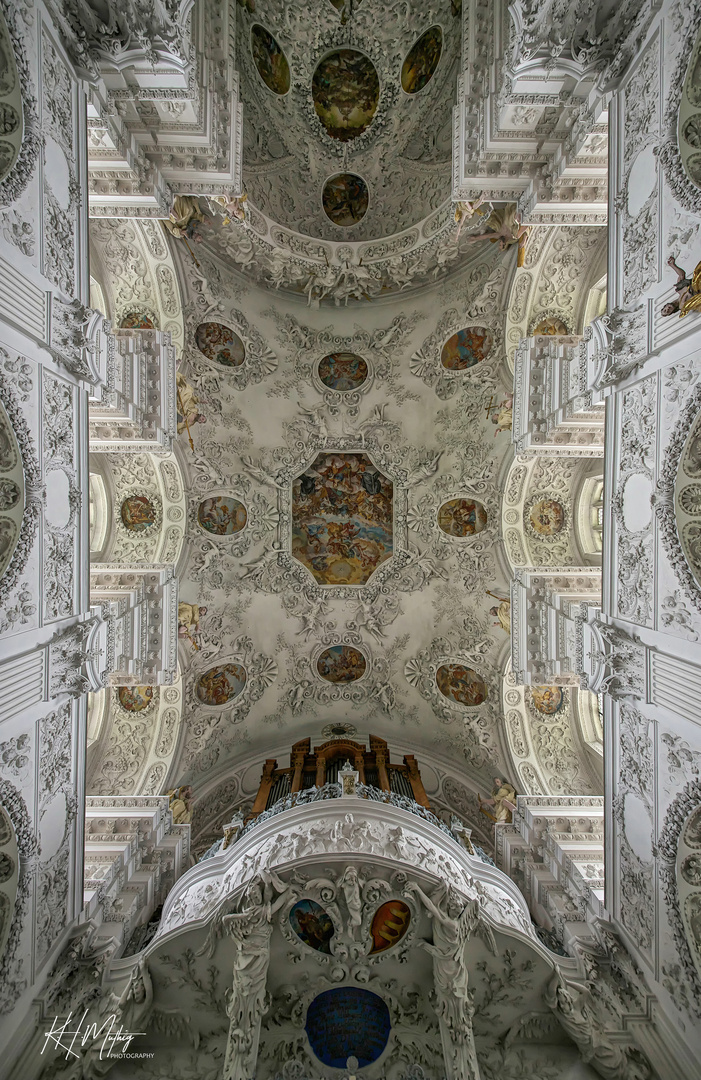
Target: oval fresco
347, 1022
548, 327
421, 61
547, 699
270, 60
466, 348
135, 698
220, 344
343, 371
461, 684
136, 320
312, 924
222, 515
341, 664
345, 199
138, 513
345, 91
221, 684
462, 517
547, 517
389, 925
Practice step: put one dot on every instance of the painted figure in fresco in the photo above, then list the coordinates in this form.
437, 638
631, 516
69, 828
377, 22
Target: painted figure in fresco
466, 348
503, 415
422, 60
270, 60
345, 91
462, 517
135, 698
221, 516
461, 684
341, 664
189, 616
221, 684
345, 199
219, 343
138, 513
137, 320
689, 290
343, 371
506, 230
550, 327
465, 210
503, 800
188, 413
547, 699
185, 218
547, 517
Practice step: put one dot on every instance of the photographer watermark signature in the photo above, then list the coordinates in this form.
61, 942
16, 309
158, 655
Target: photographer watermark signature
115, 1040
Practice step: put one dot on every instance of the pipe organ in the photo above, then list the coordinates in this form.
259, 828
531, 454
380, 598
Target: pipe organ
318, 766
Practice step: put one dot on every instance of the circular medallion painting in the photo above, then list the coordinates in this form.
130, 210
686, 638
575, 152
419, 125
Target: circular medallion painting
221, 684
422, 60
138, 513
466, 348
341, 664
135, 698
389, 925
343, 371
547, 517
312, 924
270, 60
220, 344
345, 199
222, 515
462, 517
345, 91
347, 1022
547, 699
461, 684
136, 320
548, 327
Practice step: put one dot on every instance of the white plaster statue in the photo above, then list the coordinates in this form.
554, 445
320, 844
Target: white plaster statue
454, 923
250, 930
350, 885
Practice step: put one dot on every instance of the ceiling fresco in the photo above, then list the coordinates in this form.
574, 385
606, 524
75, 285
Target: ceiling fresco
367, 90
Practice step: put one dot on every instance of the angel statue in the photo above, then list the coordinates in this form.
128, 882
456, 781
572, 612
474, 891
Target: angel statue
689, 290
465, 210
250, 930
506, 230
184, 218
503, 800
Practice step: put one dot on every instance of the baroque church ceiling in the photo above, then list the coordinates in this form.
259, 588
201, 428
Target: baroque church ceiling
342, 452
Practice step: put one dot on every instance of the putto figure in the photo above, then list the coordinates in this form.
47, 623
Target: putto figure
689, 290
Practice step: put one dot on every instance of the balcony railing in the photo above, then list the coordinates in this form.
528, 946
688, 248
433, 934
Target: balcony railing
456, 831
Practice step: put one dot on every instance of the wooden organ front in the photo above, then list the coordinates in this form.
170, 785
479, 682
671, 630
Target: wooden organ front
315, 767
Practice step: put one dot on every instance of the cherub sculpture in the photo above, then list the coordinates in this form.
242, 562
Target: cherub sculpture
689, 290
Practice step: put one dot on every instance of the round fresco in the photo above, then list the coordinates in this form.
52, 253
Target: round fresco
341, 664
389, 925
345, 199
220, 344
547, 517
221, 684
270, 60
547, 699
135, 698
136, 320
462, 517
461, 684
421, 61
549, 327
345, 91
343, 371
466, 348
138, 513
347, 1022
312, 924
222, 515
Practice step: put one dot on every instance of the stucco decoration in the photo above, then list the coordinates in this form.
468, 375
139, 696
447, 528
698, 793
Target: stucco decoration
21, 138
680, 152
453, 356
679, 848
9, 876
677, 499
537, 511
21, 492
146, 514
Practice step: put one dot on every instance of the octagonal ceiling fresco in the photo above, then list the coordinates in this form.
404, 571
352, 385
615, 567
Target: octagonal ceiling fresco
342, 517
